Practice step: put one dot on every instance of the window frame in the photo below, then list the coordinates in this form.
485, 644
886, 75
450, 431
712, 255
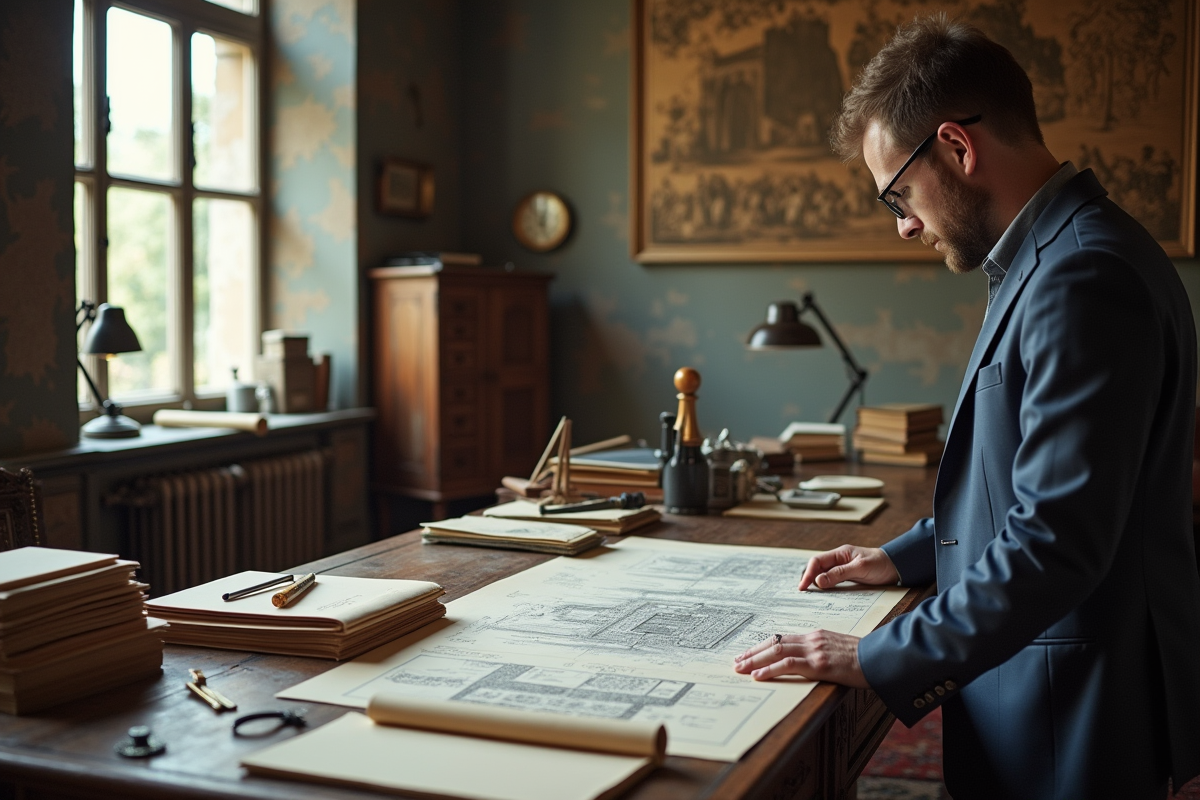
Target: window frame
186, 17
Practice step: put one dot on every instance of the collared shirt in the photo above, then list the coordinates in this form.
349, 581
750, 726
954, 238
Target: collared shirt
1000, 259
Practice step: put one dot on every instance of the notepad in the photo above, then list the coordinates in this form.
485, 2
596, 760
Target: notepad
609, 520
848, 509
513, 534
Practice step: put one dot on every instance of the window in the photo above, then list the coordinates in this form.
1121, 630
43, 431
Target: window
167, 197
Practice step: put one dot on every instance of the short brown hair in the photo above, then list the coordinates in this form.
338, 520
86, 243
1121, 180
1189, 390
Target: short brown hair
932, 70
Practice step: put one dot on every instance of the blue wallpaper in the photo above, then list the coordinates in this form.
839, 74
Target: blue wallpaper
313, 286
37, 258
546, 105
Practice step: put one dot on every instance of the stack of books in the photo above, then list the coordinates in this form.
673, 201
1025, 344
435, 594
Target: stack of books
71, 625
434, 258
815, 441
608, 520
899, 433
777, 458
610, 472
513, 534
337, 618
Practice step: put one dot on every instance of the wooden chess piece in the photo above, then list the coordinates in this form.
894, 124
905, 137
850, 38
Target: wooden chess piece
685, 476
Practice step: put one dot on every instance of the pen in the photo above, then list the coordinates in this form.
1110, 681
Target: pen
240, 593
293, 592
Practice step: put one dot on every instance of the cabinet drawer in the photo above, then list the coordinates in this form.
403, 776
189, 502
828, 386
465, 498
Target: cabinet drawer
458, 393
460, 420
461, 461
460, 356
456, 306
460, 330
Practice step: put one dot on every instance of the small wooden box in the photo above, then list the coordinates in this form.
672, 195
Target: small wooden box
291, 381
279, 344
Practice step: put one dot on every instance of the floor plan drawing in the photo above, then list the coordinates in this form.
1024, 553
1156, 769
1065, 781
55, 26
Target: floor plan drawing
645, 629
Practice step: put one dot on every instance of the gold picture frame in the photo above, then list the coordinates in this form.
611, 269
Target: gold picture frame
405, 188
729, 151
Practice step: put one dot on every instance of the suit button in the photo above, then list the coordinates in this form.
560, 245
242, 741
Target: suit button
918, 703
950, 686
929, 697
939, 691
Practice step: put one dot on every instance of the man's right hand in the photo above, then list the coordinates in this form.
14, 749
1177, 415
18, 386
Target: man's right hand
868, 565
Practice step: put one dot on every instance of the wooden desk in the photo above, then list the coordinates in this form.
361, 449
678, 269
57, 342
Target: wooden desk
816, 751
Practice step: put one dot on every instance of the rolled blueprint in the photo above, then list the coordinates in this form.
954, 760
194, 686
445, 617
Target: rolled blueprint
176, 418
623, 737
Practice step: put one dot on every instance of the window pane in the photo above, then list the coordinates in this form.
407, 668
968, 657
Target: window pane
82, 270
223, 292
222, 113
245, 6
140, 56
83, 155
139, 233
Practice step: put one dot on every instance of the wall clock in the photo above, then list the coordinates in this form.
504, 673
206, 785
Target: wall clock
541, 221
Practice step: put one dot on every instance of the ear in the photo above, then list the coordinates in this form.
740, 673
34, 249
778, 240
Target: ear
960, 146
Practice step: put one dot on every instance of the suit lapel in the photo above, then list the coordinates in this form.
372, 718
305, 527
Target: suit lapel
1083, 188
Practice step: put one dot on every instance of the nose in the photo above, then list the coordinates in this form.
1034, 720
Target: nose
910, 227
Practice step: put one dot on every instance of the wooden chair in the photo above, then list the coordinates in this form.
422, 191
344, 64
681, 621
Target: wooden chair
21, 520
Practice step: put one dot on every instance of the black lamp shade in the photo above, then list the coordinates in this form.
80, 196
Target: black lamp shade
783, 329
110, 333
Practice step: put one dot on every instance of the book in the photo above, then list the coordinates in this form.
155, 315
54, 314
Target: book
777, 458
339, 618
906, 416
609, 520
639, 459
813, 429
922, 458
900, 435
405, 745
511, 534
434, 258
926, 441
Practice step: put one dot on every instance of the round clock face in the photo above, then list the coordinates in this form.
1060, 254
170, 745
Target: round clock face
541, 221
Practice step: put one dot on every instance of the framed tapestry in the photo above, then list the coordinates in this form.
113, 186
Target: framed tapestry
733, 101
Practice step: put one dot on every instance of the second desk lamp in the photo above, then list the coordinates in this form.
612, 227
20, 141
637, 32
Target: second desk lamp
783, 330
109, 334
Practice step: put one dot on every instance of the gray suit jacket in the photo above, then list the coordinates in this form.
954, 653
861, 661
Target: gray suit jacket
1064, 641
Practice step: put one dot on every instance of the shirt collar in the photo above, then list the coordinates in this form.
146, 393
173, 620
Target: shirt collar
999, 260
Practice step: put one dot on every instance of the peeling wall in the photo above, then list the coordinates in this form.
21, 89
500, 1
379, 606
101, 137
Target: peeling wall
37, 258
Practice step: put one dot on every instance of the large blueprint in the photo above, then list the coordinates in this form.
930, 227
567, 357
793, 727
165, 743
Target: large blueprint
645, 629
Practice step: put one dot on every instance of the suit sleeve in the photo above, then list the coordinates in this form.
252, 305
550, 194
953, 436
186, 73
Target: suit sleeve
912, 554
1090, 346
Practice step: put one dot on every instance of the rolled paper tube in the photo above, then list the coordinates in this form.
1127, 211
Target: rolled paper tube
622, 737
176, 418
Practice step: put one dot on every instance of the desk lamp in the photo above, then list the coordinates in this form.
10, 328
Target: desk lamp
110, 334
783, 330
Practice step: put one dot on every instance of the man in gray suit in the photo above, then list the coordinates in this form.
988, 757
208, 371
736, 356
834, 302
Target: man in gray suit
1064, 642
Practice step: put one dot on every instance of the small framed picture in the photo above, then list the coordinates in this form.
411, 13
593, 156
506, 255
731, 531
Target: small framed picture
405, 188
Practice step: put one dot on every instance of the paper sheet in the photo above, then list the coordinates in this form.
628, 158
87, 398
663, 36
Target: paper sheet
646, 629
352, 750
848, 509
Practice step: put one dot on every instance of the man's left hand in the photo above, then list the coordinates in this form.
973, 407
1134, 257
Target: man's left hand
820, 655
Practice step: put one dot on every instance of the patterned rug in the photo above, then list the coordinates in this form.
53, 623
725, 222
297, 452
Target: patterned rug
908, 766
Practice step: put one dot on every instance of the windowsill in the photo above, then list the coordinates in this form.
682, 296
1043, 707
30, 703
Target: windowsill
155, 439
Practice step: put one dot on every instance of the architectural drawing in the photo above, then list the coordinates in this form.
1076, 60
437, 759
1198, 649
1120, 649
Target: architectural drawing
646, 629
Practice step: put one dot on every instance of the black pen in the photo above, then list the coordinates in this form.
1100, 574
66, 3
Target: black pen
240, 593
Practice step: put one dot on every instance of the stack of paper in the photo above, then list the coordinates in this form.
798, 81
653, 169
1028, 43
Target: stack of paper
71, 624
338, 618
815, 441
899, 433
610, 472
540, 537
609, 520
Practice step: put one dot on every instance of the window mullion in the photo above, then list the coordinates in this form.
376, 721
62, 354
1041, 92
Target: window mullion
97, 36
183, 347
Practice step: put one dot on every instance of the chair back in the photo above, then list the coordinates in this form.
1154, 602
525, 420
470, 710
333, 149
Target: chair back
21, 520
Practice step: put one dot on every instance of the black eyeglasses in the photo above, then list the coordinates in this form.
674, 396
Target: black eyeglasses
894, 206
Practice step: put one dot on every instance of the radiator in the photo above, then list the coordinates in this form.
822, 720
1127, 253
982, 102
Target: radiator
187, 528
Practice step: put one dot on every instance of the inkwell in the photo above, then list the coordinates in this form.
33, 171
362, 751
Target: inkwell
685, 475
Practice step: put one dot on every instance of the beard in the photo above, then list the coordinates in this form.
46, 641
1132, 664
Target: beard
965, 239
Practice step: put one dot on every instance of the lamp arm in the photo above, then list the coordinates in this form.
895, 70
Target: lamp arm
88, 309
859, 375
100, 401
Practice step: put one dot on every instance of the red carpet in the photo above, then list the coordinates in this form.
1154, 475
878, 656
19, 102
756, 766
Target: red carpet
908, 765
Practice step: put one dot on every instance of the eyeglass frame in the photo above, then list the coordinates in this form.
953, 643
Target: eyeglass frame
921, 148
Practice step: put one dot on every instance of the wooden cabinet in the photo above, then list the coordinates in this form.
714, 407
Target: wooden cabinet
460, 379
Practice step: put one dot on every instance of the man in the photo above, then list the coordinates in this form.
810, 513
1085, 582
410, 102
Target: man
1064, 642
